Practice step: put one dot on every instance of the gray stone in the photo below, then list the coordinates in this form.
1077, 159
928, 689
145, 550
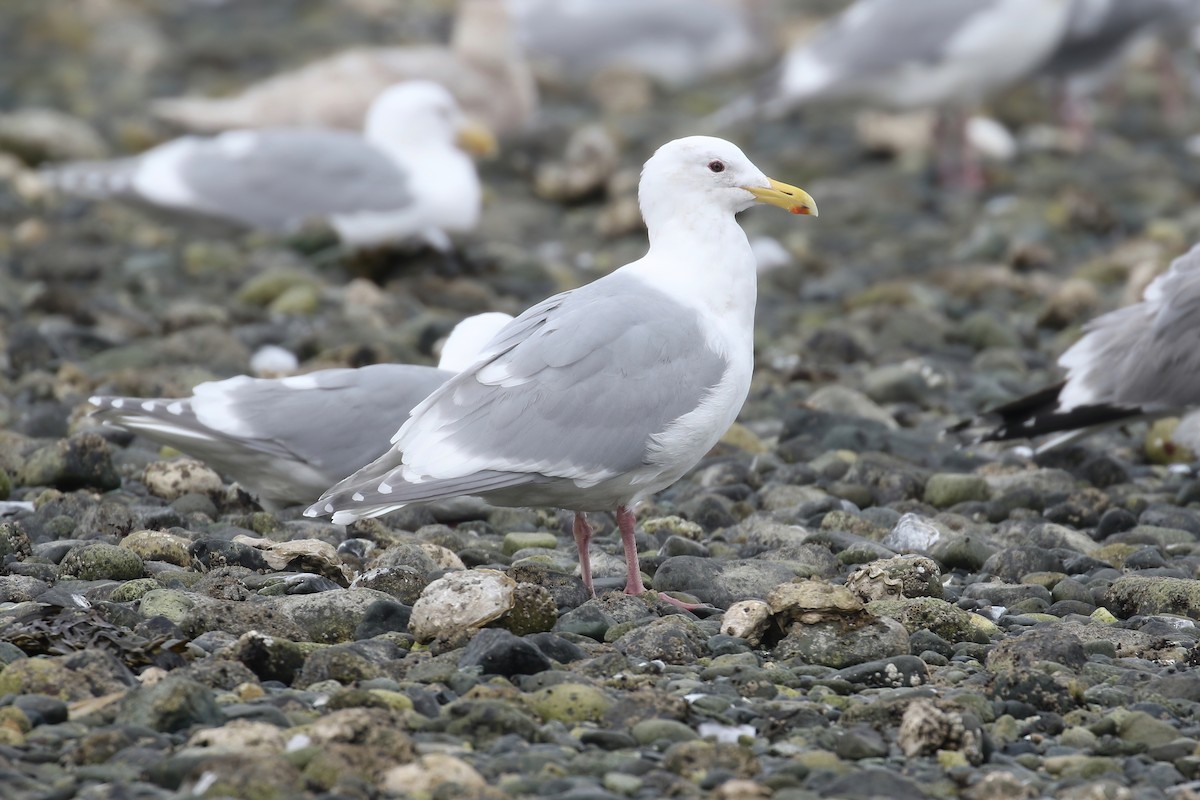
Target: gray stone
721, 583
172, 704
82, 461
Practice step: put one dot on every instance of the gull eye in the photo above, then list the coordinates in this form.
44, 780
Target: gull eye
716, 166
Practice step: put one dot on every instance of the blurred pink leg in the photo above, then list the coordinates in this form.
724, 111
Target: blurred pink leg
583, 538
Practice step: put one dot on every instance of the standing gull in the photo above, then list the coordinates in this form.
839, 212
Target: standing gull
1135, 362
286, 440
1099, 34
676, 42
404, 177
599, 397
944, 54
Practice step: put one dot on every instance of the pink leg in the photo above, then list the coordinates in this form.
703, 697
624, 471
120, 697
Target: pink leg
958, 164
633, 581
583, 538
1172, 93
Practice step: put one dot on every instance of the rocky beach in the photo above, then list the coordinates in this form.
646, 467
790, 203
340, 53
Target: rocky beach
895, 611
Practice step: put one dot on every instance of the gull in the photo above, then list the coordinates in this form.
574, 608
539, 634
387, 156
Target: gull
483, 67
404, 177
676, 42
943, 54
1099, 34
1136, 362
287, 439
598, 397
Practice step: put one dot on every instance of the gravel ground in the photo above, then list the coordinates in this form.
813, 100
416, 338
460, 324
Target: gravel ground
906, 615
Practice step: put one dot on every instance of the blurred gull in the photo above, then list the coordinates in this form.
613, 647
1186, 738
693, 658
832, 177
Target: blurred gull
404, 177
1136, 362
287, 440
675, 42
945, 54
599, 397
483, 68
1099, 34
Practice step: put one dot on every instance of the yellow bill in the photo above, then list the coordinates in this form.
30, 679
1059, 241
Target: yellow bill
792, 198
475, 138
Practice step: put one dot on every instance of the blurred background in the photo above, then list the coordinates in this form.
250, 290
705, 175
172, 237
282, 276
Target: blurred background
1079, 186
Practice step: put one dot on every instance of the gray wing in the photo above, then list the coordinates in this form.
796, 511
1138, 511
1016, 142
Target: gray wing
1098, 30
293, 433
575, 388
336, 420
672, 40
876, 36
278, 179
1145, 355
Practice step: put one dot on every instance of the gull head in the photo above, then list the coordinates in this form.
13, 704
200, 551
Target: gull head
422, 113
704, 170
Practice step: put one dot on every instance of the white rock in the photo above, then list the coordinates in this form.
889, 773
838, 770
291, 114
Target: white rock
272, 360
746, 619
912, 534
173, 479
991, 139
461, 601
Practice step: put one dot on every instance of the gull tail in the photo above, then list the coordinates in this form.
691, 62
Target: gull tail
380, 487
92, 179
167, 420
1038, 414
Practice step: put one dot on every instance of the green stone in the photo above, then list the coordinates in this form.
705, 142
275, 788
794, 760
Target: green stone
946, 489
649, 731
522, 540
570, 703
133, 590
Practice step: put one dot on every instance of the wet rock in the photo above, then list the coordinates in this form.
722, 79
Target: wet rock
944, 490
327, 617
697, 760
173, 704
20, 588
533, 611
383, 616
349, 663
936, 615
1018, 672
14, 541
570, 703
1145, 595
271, 658
402, 582
213, 554
83, 461
928, 727
101, 561
241, 736
902, 576
895, 672
673, 639
914, 534
498, 652
721, 583
44, 134
432, 775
